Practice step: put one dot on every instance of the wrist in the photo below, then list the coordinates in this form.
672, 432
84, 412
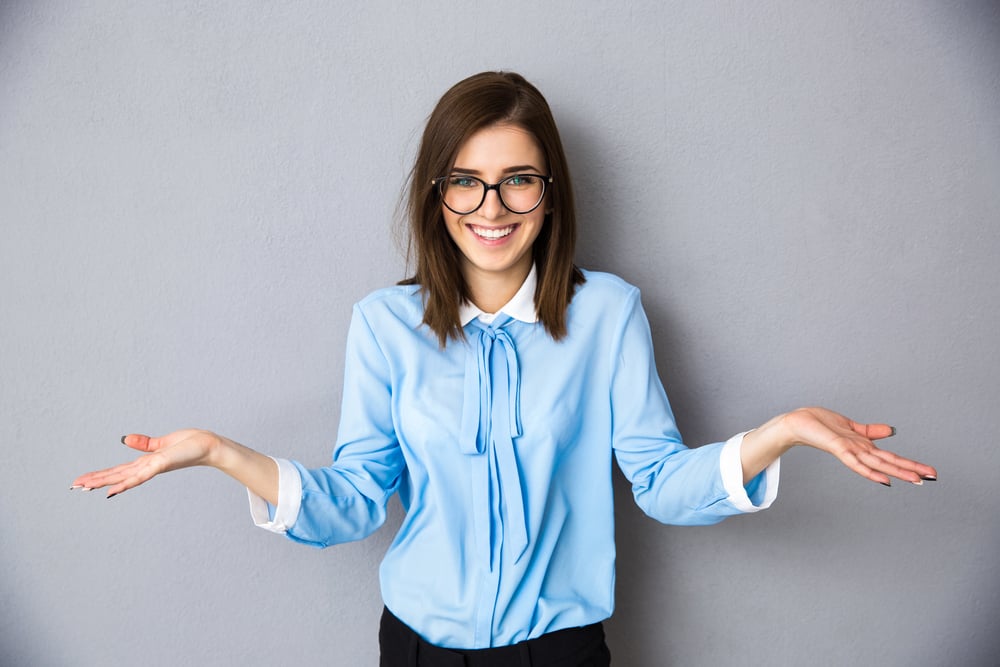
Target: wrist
778, 433
217, 451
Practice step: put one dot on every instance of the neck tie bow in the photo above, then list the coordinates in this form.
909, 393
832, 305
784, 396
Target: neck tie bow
491, 419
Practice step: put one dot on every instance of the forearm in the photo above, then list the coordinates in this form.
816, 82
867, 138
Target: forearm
762, 446
254, 470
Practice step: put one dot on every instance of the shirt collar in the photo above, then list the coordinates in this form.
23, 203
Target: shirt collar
520, 307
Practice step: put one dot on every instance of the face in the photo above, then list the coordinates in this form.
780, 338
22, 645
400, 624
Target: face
496, 243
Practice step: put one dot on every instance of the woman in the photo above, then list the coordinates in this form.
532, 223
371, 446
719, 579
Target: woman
490, 391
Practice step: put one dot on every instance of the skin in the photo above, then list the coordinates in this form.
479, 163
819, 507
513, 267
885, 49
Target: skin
494, 271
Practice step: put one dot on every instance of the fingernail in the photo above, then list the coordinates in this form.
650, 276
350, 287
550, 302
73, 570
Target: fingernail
123, 439
86, 488
893, 431
75, 487
885, 484
111, 495
919, 482
928, 478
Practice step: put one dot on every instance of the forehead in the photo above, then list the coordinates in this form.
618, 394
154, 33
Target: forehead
498, 147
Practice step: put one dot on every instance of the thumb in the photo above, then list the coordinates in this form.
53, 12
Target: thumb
141, 442
874, 431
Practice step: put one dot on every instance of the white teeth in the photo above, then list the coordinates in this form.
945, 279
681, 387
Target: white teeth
492, 234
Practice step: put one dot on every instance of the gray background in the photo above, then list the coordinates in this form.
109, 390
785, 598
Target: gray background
193, 195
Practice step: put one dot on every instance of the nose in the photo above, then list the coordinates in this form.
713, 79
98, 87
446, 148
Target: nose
492, 206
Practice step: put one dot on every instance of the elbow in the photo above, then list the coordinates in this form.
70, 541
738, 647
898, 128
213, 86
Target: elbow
678, 511
327, 521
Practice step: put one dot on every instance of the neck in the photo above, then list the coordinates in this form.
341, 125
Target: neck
489, 291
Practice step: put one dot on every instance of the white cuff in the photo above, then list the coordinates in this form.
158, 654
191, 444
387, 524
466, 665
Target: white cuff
731, 468
289, 500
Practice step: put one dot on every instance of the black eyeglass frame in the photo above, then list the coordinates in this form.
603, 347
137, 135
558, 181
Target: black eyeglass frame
441, 181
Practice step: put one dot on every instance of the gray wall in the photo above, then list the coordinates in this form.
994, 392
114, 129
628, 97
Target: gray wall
193, 194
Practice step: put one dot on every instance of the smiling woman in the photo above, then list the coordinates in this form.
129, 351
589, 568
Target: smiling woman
491, 391
512, 108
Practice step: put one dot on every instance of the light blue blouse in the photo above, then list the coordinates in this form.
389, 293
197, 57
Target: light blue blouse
500, 448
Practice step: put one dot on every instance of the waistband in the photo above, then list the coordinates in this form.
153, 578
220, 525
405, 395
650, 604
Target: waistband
562, 647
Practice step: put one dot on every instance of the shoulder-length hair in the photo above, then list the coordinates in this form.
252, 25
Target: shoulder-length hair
480, 101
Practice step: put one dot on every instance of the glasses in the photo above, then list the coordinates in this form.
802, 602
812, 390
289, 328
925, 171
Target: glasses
520, 193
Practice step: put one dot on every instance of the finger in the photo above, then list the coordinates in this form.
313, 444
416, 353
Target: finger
854, 462
145, 467
141, 442
873, 431
900, 467
92, 480
144, 443
138, 476
922, 470
889, 465
100, 478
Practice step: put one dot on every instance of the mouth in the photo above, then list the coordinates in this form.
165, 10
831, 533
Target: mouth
492, 233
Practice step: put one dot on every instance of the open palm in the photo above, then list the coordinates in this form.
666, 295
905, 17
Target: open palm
180, 449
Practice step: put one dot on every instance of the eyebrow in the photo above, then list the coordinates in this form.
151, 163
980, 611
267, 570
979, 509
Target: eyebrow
509, 170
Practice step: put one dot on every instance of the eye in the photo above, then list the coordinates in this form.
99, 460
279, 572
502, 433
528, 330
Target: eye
522, 181
462, 182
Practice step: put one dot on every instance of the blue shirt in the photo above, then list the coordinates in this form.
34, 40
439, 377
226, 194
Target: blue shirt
500, 448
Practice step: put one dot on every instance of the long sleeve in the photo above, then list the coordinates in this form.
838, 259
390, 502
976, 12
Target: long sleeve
670, 482
346, 501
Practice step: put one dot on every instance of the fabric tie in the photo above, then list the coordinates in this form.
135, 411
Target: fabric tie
491, 419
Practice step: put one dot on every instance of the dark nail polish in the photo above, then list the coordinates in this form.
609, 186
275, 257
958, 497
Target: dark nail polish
893, 431
928, 478
123, 439
110, 496
885, 484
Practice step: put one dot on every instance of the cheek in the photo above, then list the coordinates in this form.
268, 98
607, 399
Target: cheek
451, 222
539, 218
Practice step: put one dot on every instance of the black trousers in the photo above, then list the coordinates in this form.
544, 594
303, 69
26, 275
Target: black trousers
400, 646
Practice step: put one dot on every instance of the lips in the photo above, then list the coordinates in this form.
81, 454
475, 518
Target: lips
492, 233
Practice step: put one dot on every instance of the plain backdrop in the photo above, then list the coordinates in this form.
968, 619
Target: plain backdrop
193, 194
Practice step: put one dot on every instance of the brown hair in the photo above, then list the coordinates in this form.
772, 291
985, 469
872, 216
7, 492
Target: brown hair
480, 101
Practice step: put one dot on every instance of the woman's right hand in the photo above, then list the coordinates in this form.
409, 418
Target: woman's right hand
180, 449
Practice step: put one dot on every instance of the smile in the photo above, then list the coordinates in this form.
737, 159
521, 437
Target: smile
492, 233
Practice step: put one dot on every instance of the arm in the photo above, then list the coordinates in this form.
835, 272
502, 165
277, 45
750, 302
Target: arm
670, 482
185, 449
345, 501
852, 443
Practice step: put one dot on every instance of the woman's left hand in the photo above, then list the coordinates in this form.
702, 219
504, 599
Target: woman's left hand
853, 443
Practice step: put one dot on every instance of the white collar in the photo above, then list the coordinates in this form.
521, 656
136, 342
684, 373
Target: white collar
520, 307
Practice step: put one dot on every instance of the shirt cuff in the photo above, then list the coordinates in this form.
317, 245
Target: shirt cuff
731, 468
279, 519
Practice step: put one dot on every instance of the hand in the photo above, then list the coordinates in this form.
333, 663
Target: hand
853, 444
181, 449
